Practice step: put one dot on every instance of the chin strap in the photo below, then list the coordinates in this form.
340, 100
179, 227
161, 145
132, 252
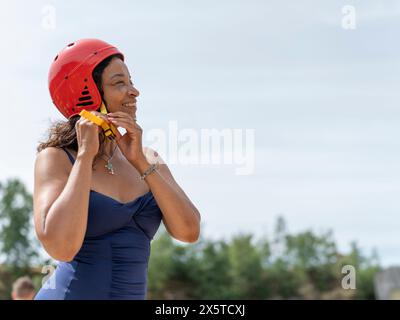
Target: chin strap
108, 129
103, 108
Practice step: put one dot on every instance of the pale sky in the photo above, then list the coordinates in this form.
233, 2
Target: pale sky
322, 101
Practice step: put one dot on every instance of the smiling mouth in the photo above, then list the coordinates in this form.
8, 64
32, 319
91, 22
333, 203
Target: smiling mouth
129, 105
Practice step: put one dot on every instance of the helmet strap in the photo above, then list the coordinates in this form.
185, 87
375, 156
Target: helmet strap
103, 108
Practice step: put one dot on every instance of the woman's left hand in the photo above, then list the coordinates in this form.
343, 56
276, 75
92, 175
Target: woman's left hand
130, 143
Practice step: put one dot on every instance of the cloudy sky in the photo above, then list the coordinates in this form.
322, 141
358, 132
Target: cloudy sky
322, 101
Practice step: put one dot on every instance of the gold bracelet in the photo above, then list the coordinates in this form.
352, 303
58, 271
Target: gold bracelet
150, 170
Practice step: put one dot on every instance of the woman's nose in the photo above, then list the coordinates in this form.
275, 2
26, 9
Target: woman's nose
133, 91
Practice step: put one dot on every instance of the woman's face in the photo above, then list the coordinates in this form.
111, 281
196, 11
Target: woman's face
118, 90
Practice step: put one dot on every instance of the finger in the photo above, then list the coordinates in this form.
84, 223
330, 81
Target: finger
83, 121
77, 131
120, 114
127, 118
118, 135
100, 115
126, 124
86, 122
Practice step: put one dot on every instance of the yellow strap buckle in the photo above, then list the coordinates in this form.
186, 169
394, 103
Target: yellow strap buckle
108, 129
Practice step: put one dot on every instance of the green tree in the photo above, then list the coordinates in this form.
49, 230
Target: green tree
18, 245
160, 265
213, 279
314, 256
305, 265
17, 242
246, 268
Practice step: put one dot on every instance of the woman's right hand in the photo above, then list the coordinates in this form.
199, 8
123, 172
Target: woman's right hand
87, 135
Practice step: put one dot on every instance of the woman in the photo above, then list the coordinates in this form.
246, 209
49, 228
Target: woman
98, 202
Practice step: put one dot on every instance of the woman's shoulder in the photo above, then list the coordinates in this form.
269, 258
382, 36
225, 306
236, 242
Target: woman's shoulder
50, 152
52, 156
57, 155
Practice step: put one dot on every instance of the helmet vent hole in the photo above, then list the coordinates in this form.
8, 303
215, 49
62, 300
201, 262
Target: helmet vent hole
85, 99
56, 58
84, 104
71, 44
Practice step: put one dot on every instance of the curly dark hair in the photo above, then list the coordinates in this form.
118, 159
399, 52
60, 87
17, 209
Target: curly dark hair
62, 133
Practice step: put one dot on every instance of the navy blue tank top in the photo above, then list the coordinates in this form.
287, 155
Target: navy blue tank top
113, 260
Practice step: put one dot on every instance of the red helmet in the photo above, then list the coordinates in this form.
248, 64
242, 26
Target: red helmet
71, 85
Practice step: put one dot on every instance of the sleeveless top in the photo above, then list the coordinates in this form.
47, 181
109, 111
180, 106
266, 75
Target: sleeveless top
113, 260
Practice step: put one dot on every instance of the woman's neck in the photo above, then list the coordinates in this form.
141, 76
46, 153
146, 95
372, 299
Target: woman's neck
109, 147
